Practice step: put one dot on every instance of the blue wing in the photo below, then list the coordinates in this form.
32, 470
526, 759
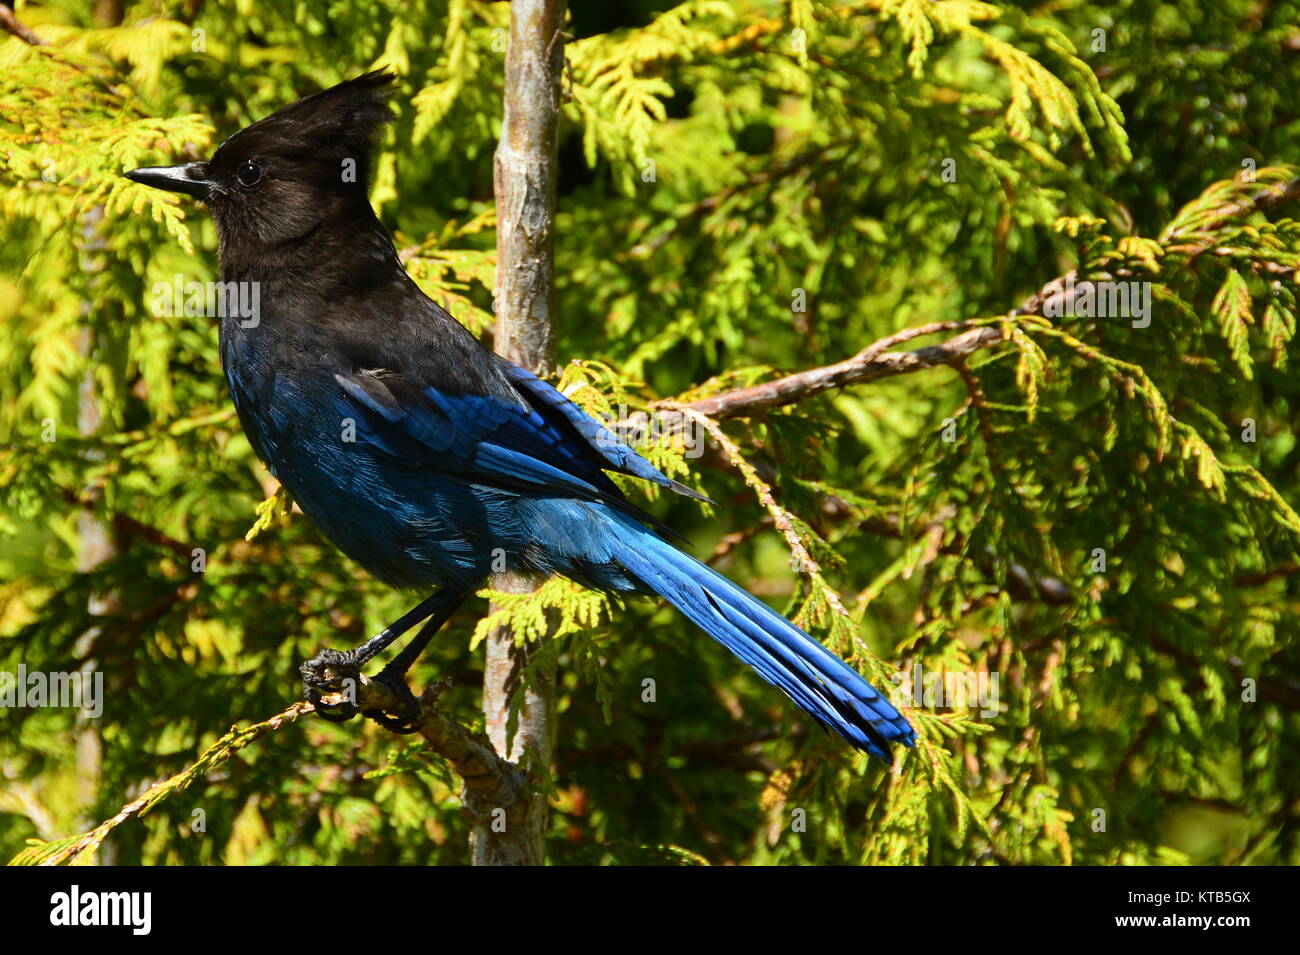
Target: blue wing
538, 443
615, 454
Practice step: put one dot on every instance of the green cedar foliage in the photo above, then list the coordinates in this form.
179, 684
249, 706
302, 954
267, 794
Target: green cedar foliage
1099, 514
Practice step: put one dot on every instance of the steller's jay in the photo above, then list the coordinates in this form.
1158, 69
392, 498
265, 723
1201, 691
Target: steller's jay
457, 458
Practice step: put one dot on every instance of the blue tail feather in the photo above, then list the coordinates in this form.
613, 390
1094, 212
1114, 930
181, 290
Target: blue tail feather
820, 683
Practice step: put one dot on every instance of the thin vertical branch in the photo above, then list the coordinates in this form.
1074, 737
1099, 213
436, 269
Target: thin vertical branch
524, 175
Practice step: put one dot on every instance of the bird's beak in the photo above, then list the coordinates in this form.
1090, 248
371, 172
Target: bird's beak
190, 179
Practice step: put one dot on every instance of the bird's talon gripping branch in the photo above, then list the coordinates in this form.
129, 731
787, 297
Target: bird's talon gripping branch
331, 672
408, 715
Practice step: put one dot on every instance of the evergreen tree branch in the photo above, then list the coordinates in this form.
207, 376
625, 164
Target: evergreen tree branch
1274, 689
879, 360
220, 752
489, 782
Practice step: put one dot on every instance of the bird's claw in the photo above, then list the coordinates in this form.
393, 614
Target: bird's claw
331, 671
408, 718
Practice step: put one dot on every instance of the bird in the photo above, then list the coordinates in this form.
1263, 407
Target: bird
431, 461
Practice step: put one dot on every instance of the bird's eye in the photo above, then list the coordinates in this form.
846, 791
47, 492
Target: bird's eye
248, 173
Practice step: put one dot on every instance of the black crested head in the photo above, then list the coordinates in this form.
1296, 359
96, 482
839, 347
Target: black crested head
307, 165
332, 132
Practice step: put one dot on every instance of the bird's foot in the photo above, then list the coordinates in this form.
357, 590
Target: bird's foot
333, 673
407, 716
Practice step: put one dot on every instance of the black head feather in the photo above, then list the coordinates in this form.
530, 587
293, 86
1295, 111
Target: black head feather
342, 122
305, 165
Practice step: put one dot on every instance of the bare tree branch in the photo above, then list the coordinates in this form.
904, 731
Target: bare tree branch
873, 362
9, 23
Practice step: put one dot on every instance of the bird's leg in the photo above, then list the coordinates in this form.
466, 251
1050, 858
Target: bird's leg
393, 675
330, 669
